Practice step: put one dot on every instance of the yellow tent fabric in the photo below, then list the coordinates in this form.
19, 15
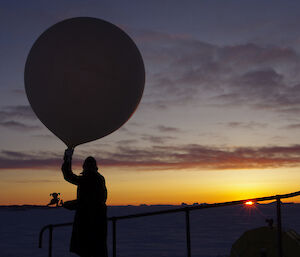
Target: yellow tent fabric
262, 242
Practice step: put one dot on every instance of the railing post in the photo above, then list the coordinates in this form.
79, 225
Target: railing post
114, 236
279, 229
188, 232
50, 240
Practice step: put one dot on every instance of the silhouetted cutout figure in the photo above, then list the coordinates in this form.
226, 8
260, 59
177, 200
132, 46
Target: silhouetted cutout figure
55, 199
90, 223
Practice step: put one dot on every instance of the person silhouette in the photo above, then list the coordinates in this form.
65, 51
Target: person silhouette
90, 223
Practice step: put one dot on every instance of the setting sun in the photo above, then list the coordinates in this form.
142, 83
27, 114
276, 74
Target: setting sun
249, 203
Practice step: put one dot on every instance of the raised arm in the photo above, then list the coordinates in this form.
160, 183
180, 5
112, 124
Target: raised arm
67, 167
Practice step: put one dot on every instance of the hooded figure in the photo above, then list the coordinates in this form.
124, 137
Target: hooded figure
90, 223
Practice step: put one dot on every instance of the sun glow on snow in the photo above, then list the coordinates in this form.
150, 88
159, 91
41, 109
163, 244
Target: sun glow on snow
249, 203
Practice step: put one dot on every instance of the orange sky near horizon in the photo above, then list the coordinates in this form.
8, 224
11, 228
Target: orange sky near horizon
155, 187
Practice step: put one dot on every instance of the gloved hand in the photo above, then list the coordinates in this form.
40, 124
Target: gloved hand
68, 154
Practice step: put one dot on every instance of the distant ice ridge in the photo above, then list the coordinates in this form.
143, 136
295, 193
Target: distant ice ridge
213, 231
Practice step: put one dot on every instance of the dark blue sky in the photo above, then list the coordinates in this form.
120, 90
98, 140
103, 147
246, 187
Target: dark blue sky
222, 84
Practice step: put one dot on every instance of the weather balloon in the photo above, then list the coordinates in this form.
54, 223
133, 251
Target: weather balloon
84, 78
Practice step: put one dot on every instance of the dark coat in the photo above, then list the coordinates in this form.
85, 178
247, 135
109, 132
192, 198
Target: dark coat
90, 224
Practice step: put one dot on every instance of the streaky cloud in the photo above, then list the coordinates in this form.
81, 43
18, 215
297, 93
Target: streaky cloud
293, 126
245, 125
18, 125
190, 71
162, 128
160, 157
17, 111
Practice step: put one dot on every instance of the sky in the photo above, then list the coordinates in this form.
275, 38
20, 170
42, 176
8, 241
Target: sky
218, 120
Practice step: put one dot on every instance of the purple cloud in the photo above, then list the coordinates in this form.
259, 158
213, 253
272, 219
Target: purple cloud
166, 157
190, 71
18, 111
13, 117
245, 125
293, 126
166, 129
18, 125
156, 139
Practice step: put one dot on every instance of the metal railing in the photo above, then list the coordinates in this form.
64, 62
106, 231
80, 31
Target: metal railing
187, 210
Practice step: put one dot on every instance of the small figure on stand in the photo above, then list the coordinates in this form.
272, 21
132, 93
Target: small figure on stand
55, 200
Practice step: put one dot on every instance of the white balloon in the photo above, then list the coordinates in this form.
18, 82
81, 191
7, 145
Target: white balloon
84, 78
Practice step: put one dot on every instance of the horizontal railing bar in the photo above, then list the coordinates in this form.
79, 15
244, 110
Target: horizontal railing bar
197, 207
62, 224
187, 208
205, 206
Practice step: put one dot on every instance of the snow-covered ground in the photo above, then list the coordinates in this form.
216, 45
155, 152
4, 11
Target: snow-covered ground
213, 231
